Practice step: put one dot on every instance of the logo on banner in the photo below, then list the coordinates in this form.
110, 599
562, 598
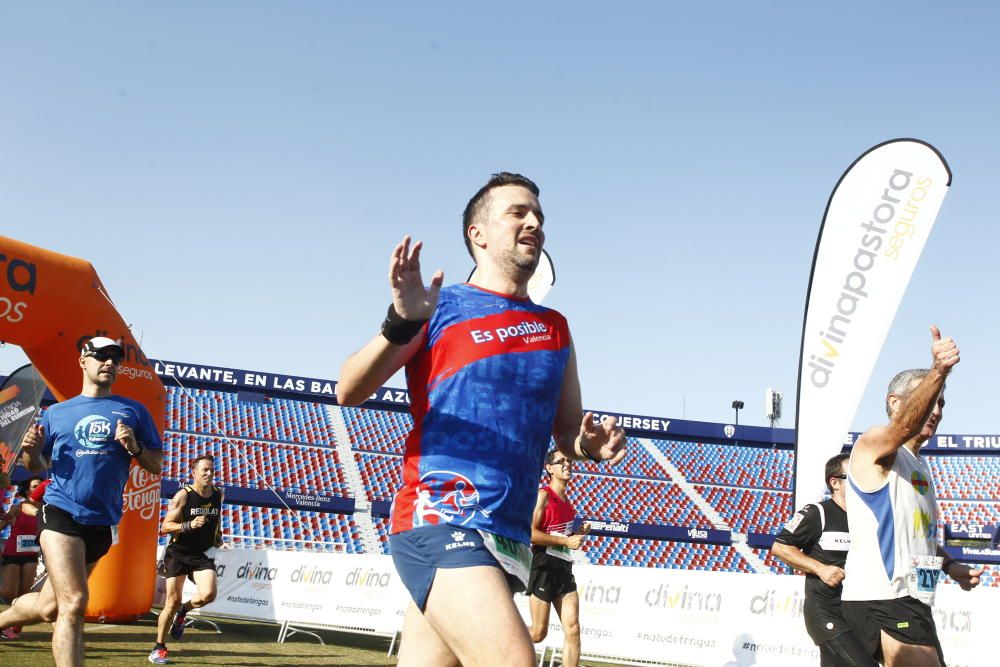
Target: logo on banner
598, 594
142, 492
21, 277
260, 574
729, 430
685, 599
771, 603
956, 621
855, 284
444, 496
314, 575
370, 578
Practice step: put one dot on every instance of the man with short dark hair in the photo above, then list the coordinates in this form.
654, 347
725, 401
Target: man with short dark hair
816, 541
193, 523
491, 377
893, 566
553, 538
89, 441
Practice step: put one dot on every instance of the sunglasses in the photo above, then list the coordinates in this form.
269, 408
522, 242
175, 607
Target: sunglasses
561, 462
102, 356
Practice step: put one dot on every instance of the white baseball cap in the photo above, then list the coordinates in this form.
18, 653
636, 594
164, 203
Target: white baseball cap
101, 343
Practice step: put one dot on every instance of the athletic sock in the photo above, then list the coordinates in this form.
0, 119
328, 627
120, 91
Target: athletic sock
158, 645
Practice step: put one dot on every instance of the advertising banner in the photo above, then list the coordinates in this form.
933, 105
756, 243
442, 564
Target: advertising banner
708, 619
20, 397
876, 224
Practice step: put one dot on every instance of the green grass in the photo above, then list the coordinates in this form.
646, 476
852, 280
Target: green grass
241, 643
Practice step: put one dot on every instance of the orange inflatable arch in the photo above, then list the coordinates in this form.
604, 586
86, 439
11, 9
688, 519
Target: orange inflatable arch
49, 305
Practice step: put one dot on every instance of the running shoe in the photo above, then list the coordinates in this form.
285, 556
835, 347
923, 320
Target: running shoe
158, 656
177, 627
10, 633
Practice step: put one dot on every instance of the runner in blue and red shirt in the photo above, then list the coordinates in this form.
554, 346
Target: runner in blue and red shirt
491, 376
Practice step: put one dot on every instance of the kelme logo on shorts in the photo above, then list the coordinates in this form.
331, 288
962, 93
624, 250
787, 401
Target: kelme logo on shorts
919, 482
92, 431
902, 625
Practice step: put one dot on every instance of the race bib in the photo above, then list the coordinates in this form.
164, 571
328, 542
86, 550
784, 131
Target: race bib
26, 544
560, 552
922, 579
514, 557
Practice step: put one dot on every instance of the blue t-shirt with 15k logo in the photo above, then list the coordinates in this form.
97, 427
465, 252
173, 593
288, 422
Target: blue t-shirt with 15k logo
89, 467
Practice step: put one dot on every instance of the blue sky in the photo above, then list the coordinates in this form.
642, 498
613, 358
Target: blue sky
239, 172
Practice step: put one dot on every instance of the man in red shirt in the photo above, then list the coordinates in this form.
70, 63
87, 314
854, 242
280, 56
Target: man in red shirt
552, 539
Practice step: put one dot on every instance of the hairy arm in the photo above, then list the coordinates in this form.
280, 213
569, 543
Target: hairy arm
172, 521
370, 367
912, 413
575, 433
830, 574
965, 576
367, 369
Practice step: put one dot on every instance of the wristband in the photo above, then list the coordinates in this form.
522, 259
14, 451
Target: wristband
141, 450
186, 527
400, 331
586, 454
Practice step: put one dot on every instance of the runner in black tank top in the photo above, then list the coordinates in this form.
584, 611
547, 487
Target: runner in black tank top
194, 525
816, 541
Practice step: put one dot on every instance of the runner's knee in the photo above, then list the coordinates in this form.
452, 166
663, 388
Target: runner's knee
538, 633
48, 611
572, 630
72, 604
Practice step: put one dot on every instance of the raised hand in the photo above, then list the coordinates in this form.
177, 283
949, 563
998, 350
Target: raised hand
604, 441
944, 351
410, 298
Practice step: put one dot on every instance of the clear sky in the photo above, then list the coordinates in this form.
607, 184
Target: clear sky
238, 173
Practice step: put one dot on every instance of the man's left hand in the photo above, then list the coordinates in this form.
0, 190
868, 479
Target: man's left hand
125, 435
604, 441
965, 576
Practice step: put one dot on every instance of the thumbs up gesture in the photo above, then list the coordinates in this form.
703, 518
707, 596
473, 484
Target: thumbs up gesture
944, 351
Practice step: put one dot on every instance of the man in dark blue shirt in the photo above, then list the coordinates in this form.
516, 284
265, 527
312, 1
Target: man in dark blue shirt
89, 441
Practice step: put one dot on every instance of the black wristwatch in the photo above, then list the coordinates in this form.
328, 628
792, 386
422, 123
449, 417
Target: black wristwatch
138, 453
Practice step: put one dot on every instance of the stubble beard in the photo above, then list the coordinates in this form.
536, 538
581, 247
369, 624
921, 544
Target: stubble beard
518, 266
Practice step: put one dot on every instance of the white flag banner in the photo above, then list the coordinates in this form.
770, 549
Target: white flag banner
875, 227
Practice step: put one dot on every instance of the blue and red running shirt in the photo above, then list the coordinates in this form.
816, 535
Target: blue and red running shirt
484, 390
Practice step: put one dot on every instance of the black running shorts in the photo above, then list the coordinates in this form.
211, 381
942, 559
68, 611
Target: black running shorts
905, 619
548, 582
96, 539
179, 563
